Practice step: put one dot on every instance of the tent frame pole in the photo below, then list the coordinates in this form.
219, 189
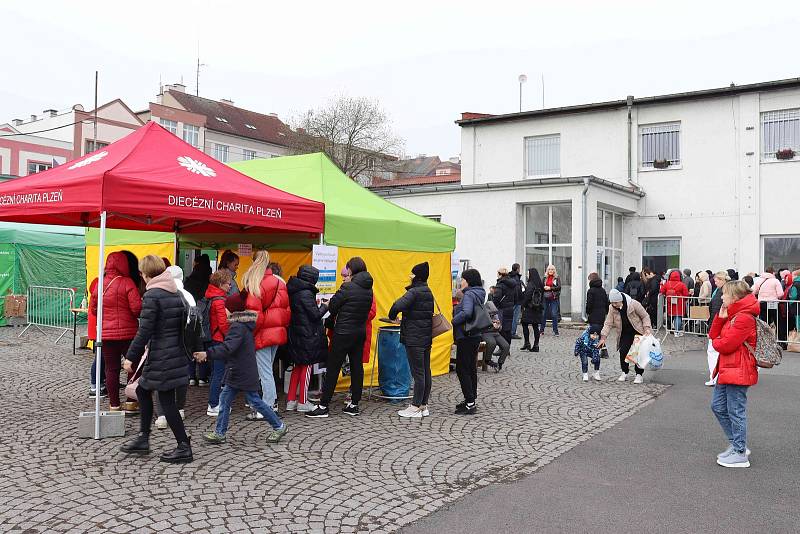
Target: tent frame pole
99, 332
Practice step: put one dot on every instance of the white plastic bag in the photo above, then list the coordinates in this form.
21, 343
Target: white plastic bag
656, 356
645, 345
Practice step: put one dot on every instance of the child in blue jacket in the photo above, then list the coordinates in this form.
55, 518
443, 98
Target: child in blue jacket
586, 349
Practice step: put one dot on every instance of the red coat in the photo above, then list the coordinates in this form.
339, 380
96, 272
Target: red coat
675, 288
368, 341
274, 312
216, 315
121, 300
736, 365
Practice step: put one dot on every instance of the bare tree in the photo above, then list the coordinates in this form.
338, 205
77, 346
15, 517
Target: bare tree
354, 132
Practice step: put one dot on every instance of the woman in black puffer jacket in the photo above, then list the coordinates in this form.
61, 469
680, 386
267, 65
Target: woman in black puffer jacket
349, 308
596, 301
307, 342
161, 326
415, 333
505, 298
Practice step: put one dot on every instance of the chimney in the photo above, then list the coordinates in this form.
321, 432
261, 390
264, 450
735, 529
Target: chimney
177, 87
33, 118
226, 101
455, 159
50, 112
17, 122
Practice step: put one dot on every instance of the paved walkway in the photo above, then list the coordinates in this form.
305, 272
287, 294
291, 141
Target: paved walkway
656, 471
369, 474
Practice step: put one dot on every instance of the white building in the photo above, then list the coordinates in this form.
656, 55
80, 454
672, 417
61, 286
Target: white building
705, 180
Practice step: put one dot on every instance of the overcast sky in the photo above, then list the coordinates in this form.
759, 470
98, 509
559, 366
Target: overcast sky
425, 61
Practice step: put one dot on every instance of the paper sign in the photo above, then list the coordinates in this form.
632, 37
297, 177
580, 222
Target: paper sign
245, 249
325, 258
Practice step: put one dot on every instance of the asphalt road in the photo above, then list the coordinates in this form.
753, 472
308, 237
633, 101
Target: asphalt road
656, 471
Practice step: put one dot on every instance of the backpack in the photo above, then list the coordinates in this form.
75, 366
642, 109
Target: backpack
634, 291
192, 333
536, 299
202, 315
767, 353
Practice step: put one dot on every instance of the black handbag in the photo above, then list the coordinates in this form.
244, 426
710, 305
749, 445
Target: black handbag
480, 321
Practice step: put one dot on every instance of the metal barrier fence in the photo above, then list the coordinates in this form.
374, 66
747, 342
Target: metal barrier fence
49, 307
784, 318
685, 316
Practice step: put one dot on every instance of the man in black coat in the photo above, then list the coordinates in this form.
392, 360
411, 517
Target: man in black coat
350, 308
596, 301
505, 298
517, 277
416, 305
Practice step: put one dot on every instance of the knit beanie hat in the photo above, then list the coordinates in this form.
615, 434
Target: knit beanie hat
421, 272
594, 329
615, 296
236, 303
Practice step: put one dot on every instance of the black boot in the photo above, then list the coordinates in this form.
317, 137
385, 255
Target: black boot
526, 346
181, 455
138, 445
535, 348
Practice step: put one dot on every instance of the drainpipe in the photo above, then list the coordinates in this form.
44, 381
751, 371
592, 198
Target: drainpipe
584, 242
630, 142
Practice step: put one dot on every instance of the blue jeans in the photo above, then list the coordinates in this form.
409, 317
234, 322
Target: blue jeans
265, 358
729, 404
677, 322
198, 371
515, 320
217, 373
551, 309
226, 399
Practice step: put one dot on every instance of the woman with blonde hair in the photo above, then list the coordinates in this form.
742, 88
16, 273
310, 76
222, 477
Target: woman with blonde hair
552, 292
267, 296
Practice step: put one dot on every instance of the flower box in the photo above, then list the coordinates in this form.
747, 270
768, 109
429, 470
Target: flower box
786, 153
661, 164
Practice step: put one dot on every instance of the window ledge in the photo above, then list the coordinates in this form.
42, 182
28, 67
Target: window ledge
776, 160
653, 169
540, 176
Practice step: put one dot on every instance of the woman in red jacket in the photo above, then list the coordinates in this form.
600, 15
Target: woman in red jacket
267, 295
676, 292
122, 304
733, 335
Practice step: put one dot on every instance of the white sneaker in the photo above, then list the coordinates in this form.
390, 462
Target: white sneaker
585, 377
161, 422
183, 414
192, 382
639, 379
305, 408
411, 411
212, 412
622, 377
425, 411
291, 406
711, 383
202, 383
596, 376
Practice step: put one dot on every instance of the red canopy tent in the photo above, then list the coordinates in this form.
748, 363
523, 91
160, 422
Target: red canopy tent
151, 180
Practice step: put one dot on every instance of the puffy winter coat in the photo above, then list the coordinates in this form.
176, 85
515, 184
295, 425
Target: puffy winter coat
634, 287
416, 305
274, 312
768, 290
161, 325
596, 303
121, 300
465, 311
505, 299
674, 287
238, 350
373, 311
351, 305
218, 318
307, 342
651, 291
736, 365
637, 315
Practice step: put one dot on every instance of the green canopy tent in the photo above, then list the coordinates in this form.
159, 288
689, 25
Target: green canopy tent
43, 256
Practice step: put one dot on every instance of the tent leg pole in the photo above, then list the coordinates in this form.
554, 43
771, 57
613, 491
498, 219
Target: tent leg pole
175, 260
99, 333
321, 239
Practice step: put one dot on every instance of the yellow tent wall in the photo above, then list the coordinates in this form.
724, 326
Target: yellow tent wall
162, 250
289, 260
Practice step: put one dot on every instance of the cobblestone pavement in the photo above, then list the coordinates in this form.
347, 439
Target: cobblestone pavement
373, 473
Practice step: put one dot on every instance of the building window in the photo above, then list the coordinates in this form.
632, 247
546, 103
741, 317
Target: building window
191, 134
444, 172
543, 156
169, 125
249, 154
780, 134
548, 240
781, 252
35, 166
609, 247
661, 254
660, 145
250, 126
221, 153
91, 146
